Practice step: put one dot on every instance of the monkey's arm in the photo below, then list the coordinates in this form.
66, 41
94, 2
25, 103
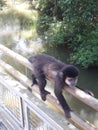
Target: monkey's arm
86, 91
58, 92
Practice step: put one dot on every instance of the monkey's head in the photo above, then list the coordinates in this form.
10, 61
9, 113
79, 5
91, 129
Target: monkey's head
70, 75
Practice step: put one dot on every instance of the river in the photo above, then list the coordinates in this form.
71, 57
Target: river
12, 37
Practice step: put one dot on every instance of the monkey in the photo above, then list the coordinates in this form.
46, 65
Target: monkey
48, 67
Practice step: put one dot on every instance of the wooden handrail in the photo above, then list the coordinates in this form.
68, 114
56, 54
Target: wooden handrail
91, 101
22, 78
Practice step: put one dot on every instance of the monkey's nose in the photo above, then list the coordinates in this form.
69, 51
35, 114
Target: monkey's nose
72, 85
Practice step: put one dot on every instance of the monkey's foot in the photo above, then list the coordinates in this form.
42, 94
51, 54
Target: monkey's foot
33, 84
44, 94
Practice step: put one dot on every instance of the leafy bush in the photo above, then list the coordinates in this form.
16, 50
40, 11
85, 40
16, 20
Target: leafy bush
87, 53
78, 27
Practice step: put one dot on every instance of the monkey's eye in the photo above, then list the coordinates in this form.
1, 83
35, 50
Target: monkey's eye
70, 79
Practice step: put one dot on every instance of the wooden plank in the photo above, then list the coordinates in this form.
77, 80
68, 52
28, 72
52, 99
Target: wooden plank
22, 78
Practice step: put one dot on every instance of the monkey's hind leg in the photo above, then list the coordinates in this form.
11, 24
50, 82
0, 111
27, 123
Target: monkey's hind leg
42, 84
34, 81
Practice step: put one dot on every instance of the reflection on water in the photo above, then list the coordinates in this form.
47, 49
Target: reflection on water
89, 79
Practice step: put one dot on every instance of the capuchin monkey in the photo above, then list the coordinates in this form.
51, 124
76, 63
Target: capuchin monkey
47, 67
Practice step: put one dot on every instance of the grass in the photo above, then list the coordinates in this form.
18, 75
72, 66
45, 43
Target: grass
19, 14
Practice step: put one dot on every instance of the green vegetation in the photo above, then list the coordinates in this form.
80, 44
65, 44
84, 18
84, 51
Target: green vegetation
73, 23
17, 13
18, 23
2, 3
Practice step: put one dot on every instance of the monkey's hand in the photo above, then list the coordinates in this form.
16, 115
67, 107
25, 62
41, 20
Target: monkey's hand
68, 113
44, 94
89, 92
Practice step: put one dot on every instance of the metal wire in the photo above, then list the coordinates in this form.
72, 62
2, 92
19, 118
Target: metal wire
35, 123
2, 126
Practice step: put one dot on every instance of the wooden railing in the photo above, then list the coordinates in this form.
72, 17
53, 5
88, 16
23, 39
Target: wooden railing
85, 98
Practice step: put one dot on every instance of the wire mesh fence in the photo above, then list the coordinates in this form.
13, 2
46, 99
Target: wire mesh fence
35, 123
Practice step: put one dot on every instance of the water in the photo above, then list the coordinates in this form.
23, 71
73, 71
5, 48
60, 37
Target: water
15, 40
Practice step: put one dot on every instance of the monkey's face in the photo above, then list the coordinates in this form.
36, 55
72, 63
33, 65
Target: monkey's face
71, 82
